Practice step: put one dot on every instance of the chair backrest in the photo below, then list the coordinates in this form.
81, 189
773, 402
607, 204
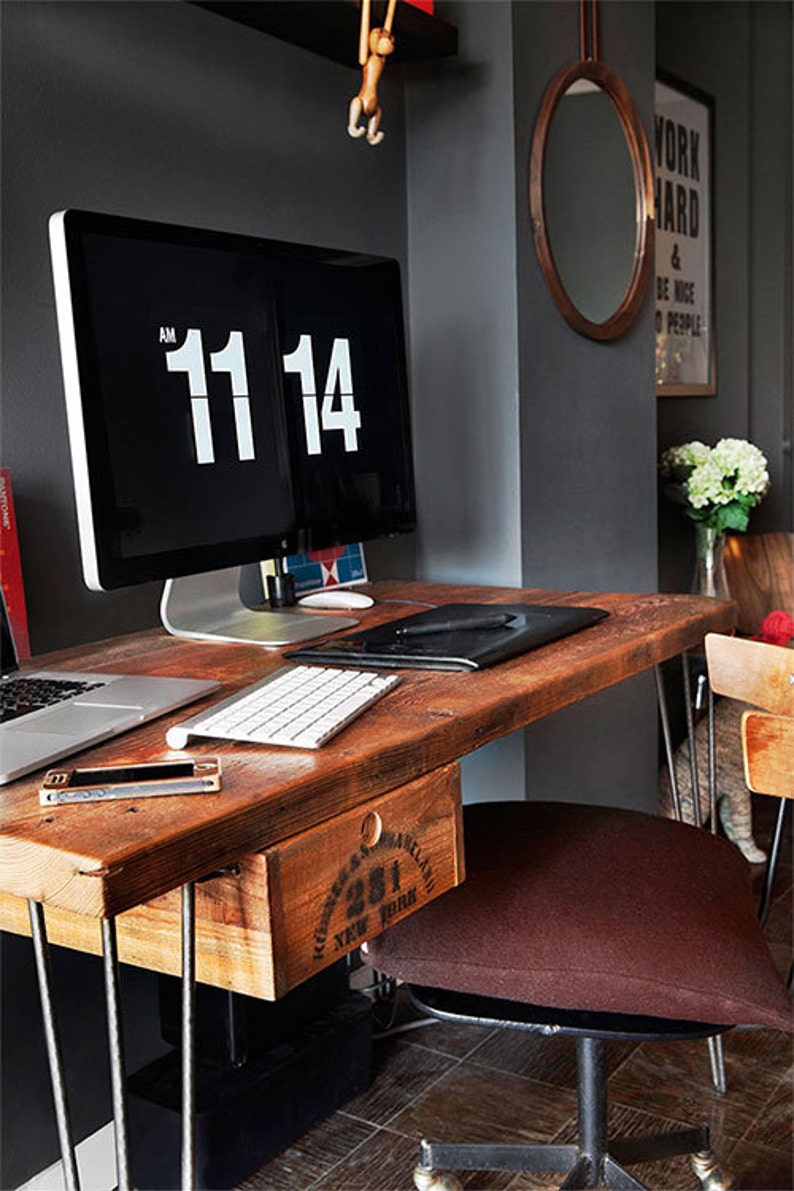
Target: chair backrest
760, 573
752, 671
768, 748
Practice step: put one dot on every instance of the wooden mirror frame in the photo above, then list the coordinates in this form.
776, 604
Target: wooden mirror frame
637, 144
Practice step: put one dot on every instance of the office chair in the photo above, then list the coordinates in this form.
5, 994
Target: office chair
601, 923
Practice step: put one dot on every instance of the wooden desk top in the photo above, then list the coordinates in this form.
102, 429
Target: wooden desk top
103, 858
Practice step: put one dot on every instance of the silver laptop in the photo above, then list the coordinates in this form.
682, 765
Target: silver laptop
45, 715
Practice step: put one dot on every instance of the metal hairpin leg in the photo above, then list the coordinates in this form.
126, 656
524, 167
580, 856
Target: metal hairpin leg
715, 1047
715, 1044
188, 1036
690, 732
116, 1049
41, 952
661, 699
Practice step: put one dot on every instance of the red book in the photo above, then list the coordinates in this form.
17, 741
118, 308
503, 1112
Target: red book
425, 5
11, 567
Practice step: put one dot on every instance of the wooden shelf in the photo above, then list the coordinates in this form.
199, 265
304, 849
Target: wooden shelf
331, 27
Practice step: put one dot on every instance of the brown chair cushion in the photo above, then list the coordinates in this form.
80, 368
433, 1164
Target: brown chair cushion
583, 907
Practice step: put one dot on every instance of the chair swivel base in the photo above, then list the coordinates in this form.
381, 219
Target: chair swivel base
581, 1169
595, 1161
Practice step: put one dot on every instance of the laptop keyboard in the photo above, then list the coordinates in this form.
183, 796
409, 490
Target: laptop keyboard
298, 706
20, 696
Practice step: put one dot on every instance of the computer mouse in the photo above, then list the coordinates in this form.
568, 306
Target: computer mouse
337, 597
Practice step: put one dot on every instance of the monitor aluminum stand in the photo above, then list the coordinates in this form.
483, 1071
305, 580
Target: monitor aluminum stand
208, 607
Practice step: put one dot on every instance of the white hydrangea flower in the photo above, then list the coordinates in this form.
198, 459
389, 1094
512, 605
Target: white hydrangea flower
744, 463
705, 485
689, 454
717, 485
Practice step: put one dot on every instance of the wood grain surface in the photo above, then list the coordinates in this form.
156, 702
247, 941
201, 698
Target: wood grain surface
102, 859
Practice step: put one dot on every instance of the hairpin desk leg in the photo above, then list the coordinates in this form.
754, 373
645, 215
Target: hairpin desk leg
664, 716
690, 732
715, 1047
116, 1049
38, 932
188, 1036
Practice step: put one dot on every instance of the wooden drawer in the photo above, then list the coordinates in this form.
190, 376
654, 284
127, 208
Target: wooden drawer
291, 910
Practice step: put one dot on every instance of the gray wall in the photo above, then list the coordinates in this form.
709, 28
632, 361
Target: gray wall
462, 256
588, 490
163, 111
536, 455
741, 55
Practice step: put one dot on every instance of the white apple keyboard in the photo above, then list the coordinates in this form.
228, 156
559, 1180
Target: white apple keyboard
297, 706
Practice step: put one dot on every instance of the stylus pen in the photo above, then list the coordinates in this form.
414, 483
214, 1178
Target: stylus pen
493, 620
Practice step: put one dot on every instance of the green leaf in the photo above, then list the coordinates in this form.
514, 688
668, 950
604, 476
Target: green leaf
734, 516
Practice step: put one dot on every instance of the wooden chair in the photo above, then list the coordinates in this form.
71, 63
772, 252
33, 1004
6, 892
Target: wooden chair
768, 748
762, 675
760, 571
597, 922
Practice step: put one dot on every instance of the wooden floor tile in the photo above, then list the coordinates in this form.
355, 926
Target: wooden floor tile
758, 1168
311, 1156
549, 1060
774, 1125
401, 1073
674, 1080
467, 1106
383, 1163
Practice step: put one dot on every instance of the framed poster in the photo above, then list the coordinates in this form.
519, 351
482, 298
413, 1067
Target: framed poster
684, 282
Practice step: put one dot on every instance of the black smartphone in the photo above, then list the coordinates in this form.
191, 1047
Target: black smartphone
147, 780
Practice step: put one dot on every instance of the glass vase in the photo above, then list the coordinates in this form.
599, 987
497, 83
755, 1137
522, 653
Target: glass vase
709, 577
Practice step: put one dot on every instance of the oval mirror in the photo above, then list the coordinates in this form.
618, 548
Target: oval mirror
591, 199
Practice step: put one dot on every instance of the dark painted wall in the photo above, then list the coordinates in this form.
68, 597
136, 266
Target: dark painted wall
740, 53
587, 426
163, 111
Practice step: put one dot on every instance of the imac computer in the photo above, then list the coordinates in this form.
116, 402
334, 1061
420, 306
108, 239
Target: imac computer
229, 400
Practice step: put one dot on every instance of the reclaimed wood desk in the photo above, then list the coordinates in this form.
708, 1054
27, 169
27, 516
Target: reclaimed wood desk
98, 861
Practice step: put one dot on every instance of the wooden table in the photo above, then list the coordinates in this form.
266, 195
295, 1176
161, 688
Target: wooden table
99, 860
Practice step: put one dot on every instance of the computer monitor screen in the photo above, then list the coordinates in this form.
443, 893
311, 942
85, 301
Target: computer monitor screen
229, 398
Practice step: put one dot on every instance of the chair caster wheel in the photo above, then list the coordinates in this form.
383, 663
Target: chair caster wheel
711, 1177
435, 1180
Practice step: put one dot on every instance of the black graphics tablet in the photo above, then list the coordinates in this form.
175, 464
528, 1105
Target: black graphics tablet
448, 637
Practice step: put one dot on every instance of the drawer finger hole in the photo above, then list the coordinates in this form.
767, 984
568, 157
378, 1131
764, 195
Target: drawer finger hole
371, 828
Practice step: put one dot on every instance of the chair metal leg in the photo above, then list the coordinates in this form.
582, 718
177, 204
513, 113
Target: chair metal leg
712, 759
582, 1175
38, 932
188, 1163
618, 1178
591, 1086
771, 865
628, 1150
717, 1062
116, 1048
